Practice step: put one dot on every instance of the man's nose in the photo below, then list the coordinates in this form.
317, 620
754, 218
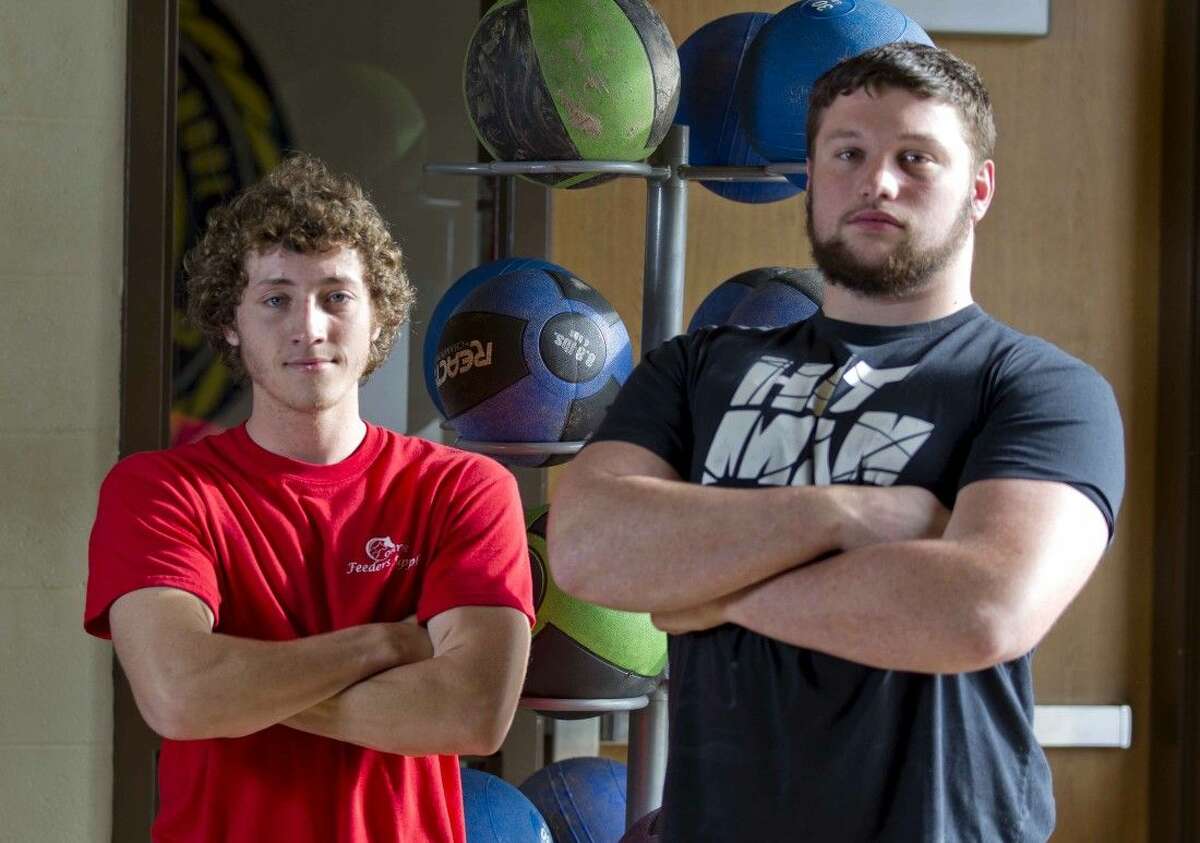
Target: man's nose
880, 180
311, 322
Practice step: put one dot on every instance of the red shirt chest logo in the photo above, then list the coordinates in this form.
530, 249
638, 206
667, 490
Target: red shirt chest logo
383, 554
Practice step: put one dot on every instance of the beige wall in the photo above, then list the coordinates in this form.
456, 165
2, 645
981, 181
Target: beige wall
61, 171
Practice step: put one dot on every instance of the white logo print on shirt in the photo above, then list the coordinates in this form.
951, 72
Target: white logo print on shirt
780, 407
384, 554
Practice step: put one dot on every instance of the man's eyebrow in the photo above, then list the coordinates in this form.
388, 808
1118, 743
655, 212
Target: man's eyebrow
922, 137
840, 134
274, 282
282, 281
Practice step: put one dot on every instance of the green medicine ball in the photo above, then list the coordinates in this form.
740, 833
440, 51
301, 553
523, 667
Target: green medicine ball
555, 80
584, 651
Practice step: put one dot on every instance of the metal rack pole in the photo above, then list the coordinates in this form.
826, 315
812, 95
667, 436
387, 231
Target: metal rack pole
666, 244
662, 318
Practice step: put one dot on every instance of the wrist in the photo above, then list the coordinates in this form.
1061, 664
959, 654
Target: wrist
837, 513
411, 643
377, 647
732, 610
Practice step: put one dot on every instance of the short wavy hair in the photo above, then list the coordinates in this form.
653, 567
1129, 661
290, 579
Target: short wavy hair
302, 207
921, 70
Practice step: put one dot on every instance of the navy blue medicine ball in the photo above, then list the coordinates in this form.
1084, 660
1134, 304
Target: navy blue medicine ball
767, 297
710, 61
582, 799
791, 51
496, 812
535, 355
458, 291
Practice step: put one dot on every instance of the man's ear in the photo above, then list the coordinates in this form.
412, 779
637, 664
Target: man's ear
983, 189
231, 337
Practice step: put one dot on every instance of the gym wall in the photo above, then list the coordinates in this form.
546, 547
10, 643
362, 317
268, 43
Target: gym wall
1069, 251
62, 166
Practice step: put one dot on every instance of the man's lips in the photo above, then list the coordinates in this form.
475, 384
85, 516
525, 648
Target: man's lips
309, 362
874, 218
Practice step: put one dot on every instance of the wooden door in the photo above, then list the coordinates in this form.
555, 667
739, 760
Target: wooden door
1069, 251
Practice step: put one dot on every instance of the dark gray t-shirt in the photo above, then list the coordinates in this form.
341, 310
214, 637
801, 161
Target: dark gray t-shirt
770, 742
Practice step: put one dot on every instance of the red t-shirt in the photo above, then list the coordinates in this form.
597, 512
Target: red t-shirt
280, 549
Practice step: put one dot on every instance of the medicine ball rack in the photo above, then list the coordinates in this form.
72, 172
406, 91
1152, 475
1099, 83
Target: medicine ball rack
666, 173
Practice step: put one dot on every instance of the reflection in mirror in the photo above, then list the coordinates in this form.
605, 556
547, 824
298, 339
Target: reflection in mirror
370, 87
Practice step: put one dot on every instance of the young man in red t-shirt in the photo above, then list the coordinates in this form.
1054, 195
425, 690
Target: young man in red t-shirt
317, 614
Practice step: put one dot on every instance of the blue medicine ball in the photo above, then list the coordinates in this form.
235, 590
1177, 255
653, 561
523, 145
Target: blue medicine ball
767, 297
785, 297
458, 291
791, 51
535, 355
582, 799
710, 60
496, 812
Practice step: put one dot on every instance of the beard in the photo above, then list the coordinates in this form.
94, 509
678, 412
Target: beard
905, 271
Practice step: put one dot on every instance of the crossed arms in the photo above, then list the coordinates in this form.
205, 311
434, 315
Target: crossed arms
881, 576
386, 686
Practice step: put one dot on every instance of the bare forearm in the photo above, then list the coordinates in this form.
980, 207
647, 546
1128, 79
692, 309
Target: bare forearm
983, 590
443, 705
646, 544
224, 686
925, 606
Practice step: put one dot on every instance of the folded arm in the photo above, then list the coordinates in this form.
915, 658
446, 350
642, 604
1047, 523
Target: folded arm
461, 701
1014, 555
626, 531
192, 683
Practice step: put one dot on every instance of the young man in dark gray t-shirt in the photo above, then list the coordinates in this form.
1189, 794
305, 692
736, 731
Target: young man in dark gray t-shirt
857, 528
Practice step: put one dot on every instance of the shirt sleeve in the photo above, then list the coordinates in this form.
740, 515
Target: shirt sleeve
1054, 418
146, 534
482, 557
652, 408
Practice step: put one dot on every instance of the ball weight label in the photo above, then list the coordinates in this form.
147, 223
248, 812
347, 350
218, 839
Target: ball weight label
573, 347
576, 345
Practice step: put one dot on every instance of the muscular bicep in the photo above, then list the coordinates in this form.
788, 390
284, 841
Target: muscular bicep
488, 646
590, 488
598, 493
617, 459
1039, 540
151, 632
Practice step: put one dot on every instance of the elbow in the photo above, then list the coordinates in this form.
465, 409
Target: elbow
177, 711
171, 716
483, 741
997, 635
487, 726
476, 730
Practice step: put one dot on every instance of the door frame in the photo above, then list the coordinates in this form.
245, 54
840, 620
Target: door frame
152, 32
1174, 718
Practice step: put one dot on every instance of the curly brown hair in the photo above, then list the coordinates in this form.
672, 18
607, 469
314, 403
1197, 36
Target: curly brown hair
302, 207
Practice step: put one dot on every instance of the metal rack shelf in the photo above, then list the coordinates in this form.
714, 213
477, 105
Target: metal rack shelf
575, 706
520, 449
534, 168
771, 173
